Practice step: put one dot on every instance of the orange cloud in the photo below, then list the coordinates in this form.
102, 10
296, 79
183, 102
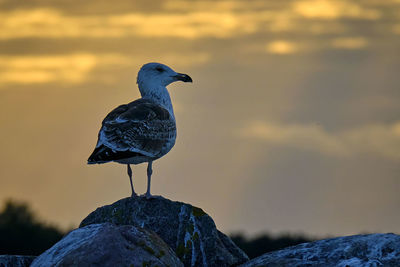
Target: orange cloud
50, 23
333, 9
226, 21
43, 69
281, 47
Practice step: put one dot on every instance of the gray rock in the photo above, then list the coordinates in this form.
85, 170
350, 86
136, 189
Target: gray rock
352, 251
109, 245
15, 260
188, 230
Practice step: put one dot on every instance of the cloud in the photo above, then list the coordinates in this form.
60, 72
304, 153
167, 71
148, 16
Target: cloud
225, 21
281, 47
333, 9
187, 20
218, 6
51, 23
72, 68
379, 139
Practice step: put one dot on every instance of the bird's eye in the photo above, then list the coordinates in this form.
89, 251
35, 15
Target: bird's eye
159, 69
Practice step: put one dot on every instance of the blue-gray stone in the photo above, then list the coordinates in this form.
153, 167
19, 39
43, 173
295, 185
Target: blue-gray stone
16, 260
109, 245
188, 230
348, 251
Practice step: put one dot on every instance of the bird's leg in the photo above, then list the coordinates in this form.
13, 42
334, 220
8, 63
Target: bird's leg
149, 172
130, 179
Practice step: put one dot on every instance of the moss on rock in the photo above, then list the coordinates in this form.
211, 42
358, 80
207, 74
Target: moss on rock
197, 212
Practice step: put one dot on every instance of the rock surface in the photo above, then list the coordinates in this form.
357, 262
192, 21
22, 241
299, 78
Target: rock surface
15, 260
352, 251
109, 245
188, 230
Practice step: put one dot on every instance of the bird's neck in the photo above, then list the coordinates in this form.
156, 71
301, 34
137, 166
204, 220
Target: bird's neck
159, 95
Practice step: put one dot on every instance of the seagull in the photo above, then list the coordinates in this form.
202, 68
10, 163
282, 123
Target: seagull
143, 130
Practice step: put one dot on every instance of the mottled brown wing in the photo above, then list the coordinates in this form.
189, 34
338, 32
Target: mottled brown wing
140, 128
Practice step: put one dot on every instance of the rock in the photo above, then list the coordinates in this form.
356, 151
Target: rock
188, 230
109, 245
352, 251
15, 260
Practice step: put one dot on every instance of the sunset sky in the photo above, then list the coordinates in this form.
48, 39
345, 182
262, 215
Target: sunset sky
292, 123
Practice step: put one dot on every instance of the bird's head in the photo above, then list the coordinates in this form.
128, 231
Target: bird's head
157, 74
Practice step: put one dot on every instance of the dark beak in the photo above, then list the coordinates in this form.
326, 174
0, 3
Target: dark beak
183, 77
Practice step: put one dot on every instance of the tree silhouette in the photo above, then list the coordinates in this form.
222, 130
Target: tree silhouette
22, 234
265, 243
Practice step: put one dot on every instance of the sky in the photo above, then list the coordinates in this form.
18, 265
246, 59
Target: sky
292, 123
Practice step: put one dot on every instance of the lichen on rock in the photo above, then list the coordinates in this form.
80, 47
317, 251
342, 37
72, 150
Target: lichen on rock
188, 230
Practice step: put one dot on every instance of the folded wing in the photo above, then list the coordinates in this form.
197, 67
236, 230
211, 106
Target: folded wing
138, 129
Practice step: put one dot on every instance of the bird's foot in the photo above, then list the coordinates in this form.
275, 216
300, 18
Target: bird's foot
134, 195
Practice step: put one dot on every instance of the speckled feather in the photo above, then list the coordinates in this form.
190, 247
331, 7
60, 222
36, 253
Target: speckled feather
141, 129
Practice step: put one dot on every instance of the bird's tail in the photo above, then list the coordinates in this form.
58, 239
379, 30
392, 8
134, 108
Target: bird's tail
99, 155
103, 154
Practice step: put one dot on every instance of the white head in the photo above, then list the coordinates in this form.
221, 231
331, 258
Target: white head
155, 75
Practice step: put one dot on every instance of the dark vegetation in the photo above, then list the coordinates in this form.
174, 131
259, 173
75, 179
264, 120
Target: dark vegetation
265, 243
21, 233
